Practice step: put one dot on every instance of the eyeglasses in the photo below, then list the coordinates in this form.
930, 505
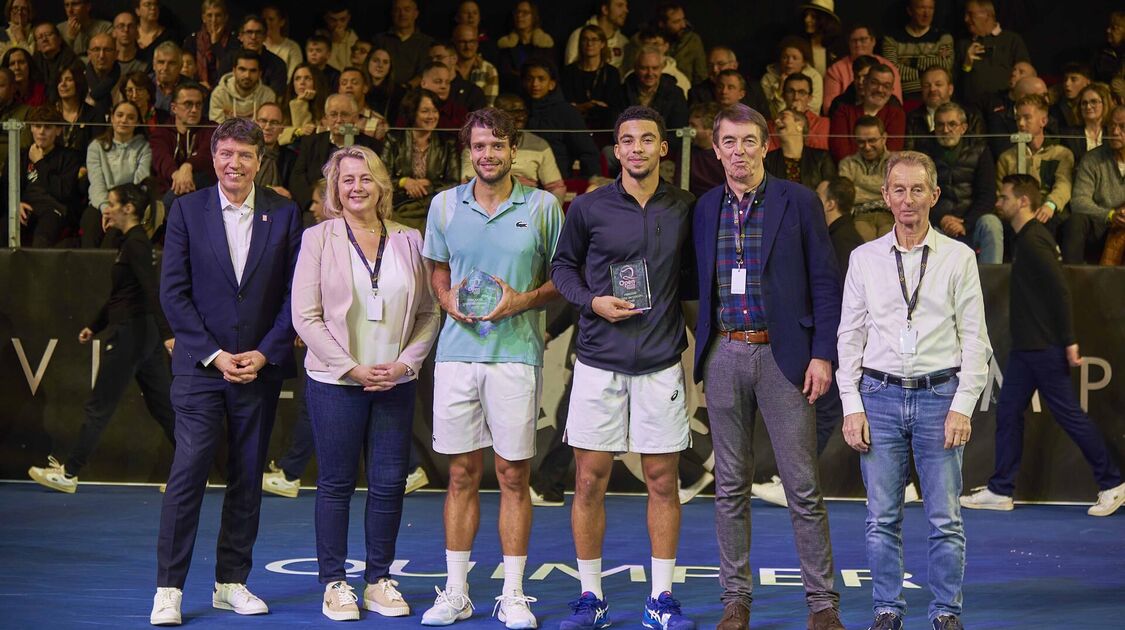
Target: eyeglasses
269, 123
792, 92
254, 32
190, 105
1091, 103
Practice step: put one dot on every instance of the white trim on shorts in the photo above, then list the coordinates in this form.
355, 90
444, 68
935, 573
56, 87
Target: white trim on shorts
477, 405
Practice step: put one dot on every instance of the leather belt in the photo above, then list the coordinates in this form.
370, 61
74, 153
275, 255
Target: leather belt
747, 336
914, 382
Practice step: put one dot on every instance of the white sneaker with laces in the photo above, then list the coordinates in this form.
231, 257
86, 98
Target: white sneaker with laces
339, 602
692, 491
448, 608
166, 607
416, 480
984, 499
382, 597
513, 611
238, 598
910, 495
274, 482
770, 492
1108, 501
53, 476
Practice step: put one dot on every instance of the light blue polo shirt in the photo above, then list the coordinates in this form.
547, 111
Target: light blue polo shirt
517, 244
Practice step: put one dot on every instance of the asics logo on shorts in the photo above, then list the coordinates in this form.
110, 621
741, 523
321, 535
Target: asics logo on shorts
675, 394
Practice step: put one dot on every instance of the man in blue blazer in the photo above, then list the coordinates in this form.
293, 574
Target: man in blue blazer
769, 306
229, 254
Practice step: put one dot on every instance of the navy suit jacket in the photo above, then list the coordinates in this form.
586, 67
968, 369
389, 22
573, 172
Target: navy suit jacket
800, 280
206, 307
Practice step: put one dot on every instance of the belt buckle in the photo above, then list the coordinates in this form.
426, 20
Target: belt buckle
911, 383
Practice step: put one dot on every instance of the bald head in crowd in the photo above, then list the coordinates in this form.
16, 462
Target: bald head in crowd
1029, 85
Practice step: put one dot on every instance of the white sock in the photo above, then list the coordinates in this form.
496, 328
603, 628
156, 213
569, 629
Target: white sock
590, 573
457, 568
662, 576
513, 573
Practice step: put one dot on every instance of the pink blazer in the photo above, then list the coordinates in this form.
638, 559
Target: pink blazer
322, 294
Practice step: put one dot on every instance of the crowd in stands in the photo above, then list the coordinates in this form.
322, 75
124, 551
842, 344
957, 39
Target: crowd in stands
138, 100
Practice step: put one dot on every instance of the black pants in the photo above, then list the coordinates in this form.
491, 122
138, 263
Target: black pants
133, 349
1083, 238
45, 226
93, 236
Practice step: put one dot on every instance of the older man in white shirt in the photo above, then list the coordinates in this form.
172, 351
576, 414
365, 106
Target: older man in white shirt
913, 352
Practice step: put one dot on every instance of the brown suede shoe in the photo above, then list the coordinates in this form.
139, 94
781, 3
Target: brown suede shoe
735, 617
827, 619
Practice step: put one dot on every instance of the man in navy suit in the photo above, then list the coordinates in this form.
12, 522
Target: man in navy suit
229, 254
769, 306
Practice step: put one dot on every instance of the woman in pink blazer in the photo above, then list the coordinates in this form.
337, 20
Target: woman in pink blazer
362, 305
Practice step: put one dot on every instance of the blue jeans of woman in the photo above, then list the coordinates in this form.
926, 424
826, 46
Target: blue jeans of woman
901, 421
348, 423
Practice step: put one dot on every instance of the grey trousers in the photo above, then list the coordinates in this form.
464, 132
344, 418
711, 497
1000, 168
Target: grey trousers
739, 379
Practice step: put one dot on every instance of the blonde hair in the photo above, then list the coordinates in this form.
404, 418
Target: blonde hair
332, 206
913, 158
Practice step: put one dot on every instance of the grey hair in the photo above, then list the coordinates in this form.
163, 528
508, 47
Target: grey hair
952, 107
911, 158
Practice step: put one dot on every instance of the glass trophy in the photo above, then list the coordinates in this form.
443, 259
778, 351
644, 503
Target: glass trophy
630, 283
478, 296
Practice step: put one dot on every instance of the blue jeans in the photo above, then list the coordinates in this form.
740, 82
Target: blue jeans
902, 420
988, 238
346, 423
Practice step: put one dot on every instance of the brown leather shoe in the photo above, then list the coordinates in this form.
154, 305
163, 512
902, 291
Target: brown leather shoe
735, 617
827, 619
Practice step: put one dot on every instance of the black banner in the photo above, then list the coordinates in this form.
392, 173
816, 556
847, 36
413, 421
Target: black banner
47, 296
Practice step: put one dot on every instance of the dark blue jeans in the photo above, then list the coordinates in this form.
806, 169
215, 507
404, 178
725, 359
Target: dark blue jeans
348, 422
1048, 371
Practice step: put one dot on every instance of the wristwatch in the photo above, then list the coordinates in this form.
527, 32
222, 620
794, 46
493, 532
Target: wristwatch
409, 371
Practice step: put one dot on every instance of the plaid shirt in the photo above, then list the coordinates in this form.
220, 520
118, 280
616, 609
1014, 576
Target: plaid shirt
486, 77
748, 311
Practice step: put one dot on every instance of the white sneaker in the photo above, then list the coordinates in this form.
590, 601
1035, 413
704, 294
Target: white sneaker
238, 598
770, 492
339, 602
382, 597
274, 482
984, 499
416, 480
513, 611
166, 607
910, 495
1108, 501
448, 608
53, 476
690, 492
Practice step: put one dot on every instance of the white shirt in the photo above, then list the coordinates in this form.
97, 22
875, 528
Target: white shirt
949, 317
238, 222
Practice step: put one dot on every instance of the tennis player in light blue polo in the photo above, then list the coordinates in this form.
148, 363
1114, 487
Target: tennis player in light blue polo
489, 369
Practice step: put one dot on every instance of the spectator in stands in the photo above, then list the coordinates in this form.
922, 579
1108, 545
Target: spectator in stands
150, 32
79, 27
471, 66
181, 155
793, 56
303, 103
137, 89
120, 155
313, 151
967, 178
167, 60
210, 44
534, 165
252, 37
706, 170
1098, 203
125, 41
360, 50
51, 54
28, 86
793, 159
336, 20
837, 195
866, 169
50, 198
1064, 95
1044, 349
317, 47
240, 93
141, 340
917, 46
1048, 161
468, 14
718, 59
685, 45
1110, 60
10, 109
854, 94
1001, 119
81, 118
652, 38
610, 18
1095, 104
408, 46
277, 38
549, 110
436, 78
18, 32
422, 163
797, 91
821, 27
591, 83
102, 70
861, 42
937, 90
385, 94
987, 57
649, 86
353, 82
878, 86
462, 91
277, 160
526, 41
